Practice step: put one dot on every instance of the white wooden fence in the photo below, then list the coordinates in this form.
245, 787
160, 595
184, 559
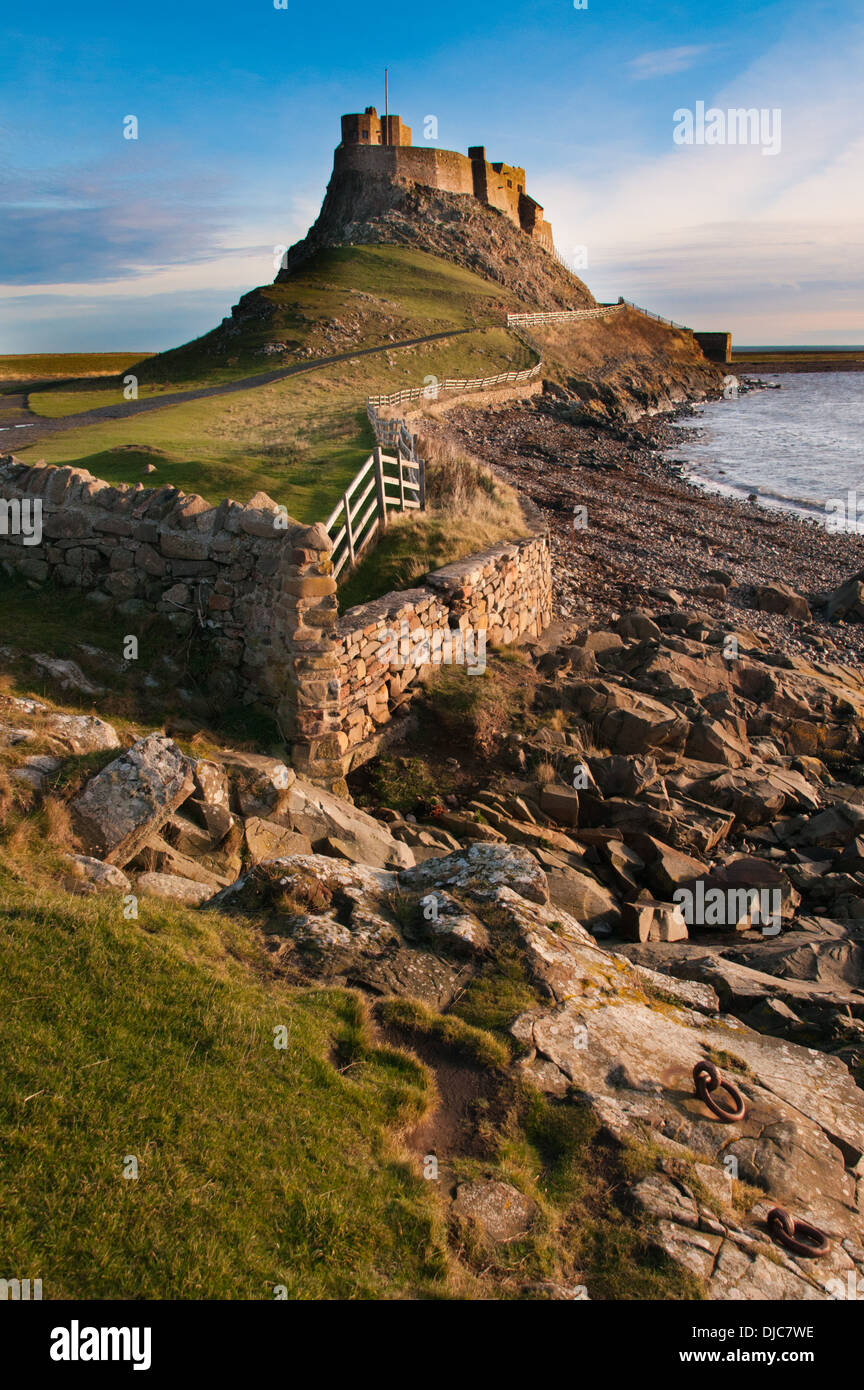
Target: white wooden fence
386, 483
558, 316
394, 481
432, 392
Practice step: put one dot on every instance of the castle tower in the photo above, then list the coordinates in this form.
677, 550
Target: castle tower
372, 129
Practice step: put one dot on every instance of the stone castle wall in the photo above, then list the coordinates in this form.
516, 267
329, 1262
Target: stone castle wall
501, 187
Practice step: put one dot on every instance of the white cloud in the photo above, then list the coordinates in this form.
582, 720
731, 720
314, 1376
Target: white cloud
772, 249
662, 62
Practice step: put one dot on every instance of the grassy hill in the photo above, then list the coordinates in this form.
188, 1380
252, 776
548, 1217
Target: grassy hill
301, 439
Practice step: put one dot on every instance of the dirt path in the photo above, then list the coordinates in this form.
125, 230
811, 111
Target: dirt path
38, 427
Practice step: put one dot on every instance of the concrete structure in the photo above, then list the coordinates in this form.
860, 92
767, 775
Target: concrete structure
717, 347
381, 148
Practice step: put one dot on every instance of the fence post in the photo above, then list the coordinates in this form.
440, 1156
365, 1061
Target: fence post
401, 478
349, 532
422, 463
379, 489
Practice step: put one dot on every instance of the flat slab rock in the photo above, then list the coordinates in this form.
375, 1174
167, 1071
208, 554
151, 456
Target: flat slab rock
499, 1210
132, 798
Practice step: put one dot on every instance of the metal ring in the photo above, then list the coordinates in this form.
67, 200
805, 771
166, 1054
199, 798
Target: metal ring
706, 1078
798, 1236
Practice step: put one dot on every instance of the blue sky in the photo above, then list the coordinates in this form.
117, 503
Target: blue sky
117, 244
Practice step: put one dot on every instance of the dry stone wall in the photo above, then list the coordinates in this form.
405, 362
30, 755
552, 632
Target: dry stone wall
260, 585
499, 597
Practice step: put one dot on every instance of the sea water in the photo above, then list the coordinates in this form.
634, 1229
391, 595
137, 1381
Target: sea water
800, 448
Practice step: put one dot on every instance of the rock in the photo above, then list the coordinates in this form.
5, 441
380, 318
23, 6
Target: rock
481, 869
322, 817
590, 902
131, 798
711, 741
212, 800
624, 864
638, 625
667, 868
35, 771
260, 785
755, 794
561, 803
500, 1211
67, 673
616, 775
81, 733
11, 736
174, 889
185, 836
336, 921
158, 856
267, 840
779, 598
847, 601
654, 921
98, 873
627, 721
444, 920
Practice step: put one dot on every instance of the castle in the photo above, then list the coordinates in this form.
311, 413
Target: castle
380, 146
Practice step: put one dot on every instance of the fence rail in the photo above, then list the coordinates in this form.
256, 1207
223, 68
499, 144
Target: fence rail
658, 317
559, 316
366, 504
362, 511
431, 393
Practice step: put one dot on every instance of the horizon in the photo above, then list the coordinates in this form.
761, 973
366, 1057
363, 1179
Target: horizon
110, 241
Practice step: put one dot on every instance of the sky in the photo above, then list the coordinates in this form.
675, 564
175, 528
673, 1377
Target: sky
114, 244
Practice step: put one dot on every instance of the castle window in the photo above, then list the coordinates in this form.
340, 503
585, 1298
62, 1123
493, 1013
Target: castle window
509, 183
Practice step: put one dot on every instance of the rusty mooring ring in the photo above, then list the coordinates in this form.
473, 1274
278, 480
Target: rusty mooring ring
706, 1078
789, 1230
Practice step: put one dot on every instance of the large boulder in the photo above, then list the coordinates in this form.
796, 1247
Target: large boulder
329, 823
481, 869
779, 598
131, 798
337, 922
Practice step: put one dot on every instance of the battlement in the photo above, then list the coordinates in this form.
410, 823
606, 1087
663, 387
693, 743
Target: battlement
380, 146
372, 129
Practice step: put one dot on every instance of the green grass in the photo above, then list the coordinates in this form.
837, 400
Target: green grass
257, 1167
346, 297
301, 439
138, 696
36, 366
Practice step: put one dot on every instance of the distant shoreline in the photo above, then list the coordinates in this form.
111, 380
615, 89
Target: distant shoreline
767, 361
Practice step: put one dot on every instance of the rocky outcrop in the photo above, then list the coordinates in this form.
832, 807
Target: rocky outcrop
132, 798
359, 209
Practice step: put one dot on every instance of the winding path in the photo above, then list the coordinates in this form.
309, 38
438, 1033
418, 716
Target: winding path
40, 426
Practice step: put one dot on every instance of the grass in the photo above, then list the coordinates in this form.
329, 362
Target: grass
38, 366
301, 439
344, 298
414, 1020
257, 1167
469, 510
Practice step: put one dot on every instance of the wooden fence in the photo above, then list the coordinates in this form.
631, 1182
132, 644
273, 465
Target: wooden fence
480, 383
558, 316
394, 481
386, 483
